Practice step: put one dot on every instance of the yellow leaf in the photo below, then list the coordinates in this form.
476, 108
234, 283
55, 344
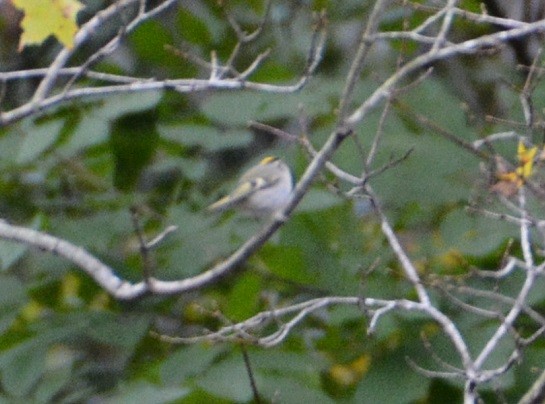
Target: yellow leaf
509, 182
526, 159
510, 176
361, 365
48, 17
100, 301
349, 374
527, 168
524, 154
70, 289
32, 311
342, 375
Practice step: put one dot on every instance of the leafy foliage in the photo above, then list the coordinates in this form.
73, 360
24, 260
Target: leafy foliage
78, 171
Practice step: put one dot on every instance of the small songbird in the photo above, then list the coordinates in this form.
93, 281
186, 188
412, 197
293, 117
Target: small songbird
260, 191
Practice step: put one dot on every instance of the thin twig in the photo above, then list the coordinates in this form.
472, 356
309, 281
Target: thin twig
249, 371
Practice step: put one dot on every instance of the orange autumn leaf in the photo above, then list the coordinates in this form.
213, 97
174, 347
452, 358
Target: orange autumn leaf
510, 181
510, 176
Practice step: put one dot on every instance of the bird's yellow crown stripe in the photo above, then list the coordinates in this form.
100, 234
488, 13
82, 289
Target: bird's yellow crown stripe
268, 160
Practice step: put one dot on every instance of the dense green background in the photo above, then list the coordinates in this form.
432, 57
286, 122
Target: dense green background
76, 171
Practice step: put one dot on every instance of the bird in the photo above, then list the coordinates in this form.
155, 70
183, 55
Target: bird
260, 191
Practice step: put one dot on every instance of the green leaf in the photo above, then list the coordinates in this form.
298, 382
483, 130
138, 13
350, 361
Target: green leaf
318, 199
37, 138
288, 377
473, 234
391, 380
243, 297
24, 372
53, 382
238, 108
285, 389
124, 330
94, 126
148, 41
93, 129
13, 296
188, 362
8, 316
146, 393
437, 172
327, 240
93, 232
9, 146
207, 137
286, 261
300, 366
43, 339
192, 28
228, 379
194, 245
12, 291
195, 170
133, 142
116, 106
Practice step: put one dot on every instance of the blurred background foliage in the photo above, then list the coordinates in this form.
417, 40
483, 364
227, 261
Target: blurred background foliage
78, 170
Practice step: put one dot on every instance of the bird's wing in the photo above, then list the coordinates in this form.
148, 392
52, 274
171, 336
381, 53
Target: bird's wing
243, 190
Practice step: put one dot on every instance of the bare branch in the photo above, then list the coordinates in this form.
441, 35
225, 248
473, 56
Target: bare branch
82, 35
523, 293
467, 47
41, 101
100, 272
536, 394
359, 58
